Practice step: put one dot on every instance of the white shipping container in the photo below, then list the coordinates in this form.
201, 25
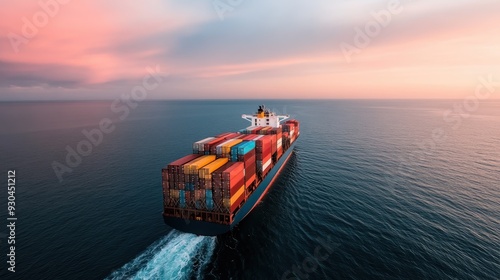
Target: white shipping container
266, 165
198, 144
258, 137
201, 144
219, 147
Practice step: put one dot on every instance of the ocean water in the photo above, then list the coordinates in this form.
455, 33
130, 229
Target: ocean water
374, 190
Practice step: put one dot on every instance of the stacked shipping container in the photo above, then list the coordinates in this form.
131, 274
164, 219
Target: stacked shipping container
204, 195
224, 170
227, 181
263, 154
199, 147
173, 180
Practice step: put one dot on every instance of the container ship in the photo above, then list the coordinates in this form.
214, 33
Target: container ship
211, 190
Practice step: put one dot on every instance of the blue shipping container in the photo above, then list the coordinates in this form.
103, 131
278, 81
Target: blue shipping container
209, 199
208, 193
244, 149
234, 149
189, 186
210, 204
234, 157
182, 198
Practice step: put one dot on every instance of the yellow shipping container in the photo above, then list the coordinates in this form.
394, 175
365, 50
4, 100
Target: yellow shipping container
174, 194
237, 194
206, 171
228, 202
226, 149
193, 166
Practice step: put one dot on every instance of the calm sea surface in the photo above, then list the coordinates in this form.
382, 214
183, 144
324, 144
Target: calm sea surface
374, 190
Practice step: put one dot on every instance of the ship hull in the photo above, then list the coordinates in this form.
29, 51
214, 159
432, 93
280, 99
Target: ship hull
211, 229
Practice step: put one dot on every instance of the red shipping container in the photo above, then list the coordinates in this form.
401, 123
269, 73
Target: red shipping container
260, 154
277, 130
244, 158
263, 141
250, 162
267, 158
279, 152
250, 180
250, 169
228, 191
223, 134
232, 135
279, 136
248, 137
214, 142
293, 125
273, 143
174, 167
217, 174
256, 130
234, 179
235, 168
239, 179
244, 137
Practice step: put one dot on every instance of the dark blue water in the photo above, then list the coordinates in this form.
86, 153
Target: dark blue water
374, 190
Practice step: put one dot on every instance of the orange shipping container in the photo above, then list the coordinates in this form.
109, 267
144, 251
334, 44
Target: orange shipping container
206, 171
192, 167
235, 200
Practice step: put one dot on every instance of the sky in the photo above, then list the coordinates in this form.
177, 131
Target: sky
246, 49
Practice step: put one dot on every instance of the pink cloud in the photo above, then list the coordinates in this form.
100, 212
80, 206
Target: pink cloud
428, 50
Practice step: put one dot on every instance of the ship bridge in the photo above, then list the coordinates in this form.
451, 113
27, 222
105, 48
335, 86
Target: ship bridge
265, 117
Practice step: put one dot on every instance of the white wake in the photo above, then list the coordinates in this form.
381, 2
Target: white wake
176, 256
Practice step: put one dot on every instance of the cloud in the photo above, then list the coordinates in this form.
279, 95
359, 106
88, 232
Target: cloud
50, 75
279, 47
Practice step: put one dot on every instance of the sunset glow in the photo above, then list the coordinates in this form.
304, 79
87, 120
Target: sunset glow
100, 49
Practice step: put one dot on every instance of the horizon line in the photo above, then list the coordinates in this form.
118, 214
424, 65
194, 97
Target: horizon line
249, 99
